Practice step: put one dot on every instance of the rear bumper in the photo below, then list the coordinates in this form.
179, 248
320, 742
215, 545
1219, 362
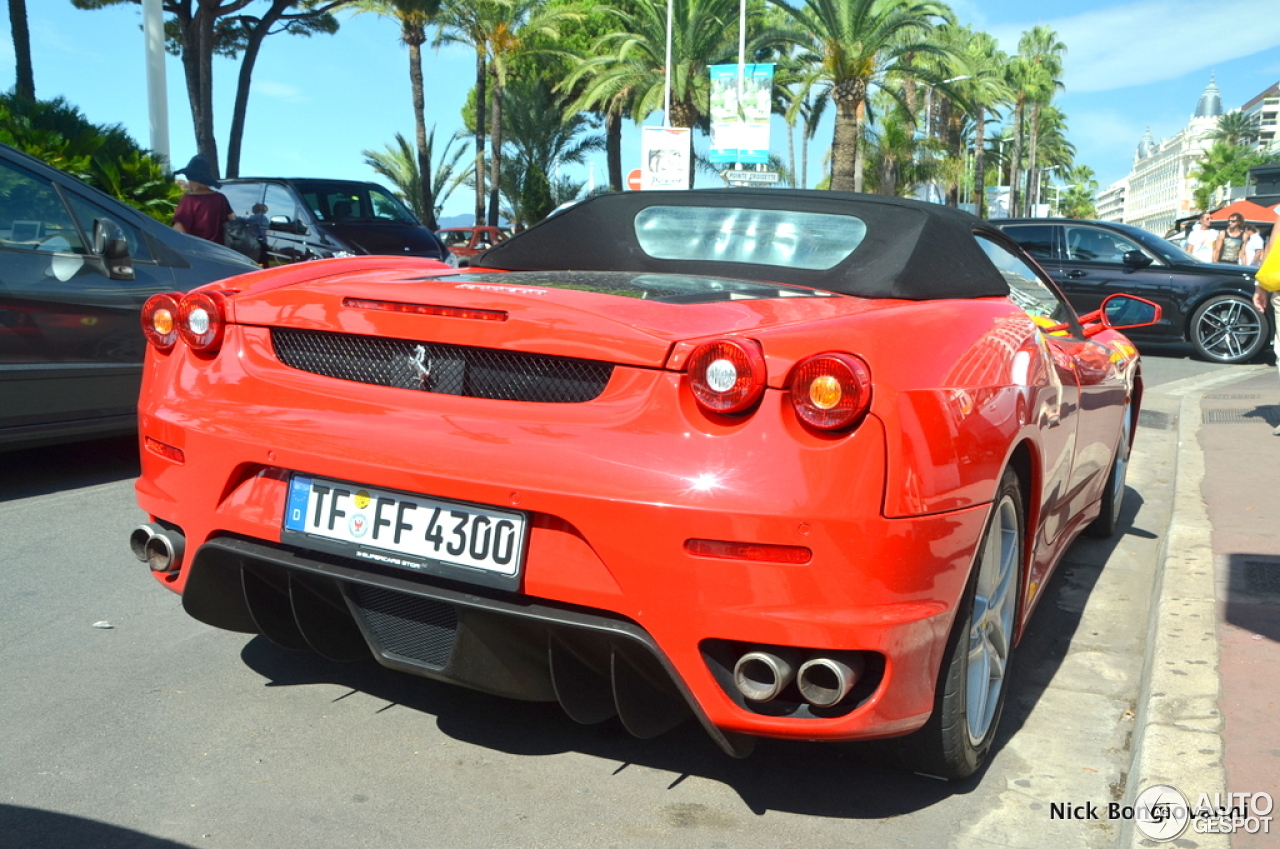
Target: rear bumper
612, 490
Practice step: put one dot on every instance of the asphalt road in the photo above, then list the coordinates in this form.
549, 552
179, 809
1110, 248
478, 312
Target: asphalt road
128, 724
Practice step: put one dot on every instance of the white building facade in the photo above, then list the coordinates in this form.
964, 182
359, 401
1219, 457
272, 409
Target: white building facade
1160, 188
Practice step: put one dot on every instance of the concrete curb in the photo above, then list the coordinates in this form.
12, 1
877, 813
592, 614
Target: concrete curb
1178, 731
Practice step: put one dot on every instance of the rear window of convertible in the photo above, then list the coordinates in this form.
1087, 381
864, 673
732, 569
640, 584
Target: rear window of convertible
809, 240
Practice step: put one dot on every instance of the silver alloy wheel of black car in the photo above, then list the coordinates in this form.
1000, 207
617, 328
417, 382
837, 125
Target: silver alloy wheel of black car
991, 621
1227, 329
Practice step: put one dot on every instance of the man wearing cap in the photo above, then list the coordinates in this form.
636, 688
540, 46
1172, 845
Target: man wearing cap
1260, 295
202, 211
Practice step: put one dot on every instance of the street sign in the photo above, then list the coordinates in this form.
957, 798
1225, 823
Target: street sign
735, 176
633, 180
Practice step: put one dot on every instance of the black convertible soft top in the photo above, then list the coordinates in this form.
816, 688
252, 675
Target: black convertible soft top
896, 248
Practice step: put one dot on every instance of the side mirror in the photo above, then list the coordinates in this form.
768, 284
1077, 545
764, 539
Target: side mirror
112, 248
286, 224
1135, 259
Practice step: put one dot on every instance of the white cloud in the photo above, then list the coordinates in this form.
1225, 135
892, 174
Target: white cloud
279, 91
1151, 41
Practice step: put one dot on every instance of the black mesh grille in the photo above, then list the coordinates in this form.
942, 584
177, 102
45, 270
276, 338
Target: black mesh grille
413, 628
448, 369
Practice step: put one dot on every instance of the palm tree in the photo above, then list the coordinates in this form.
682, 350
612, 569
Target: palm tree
541, 137
464, 22
1042, 48
628, 68
1029, 82
1077, 201
399, 166
1236, 128
25, 86
852, 46
413, 17
981, 89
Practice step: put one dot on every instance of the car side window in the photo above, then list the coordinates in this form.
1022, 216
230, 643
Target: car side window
280, 201
1036, 239
1091, 244
242, 197
1026, 289
87, 212
33, 216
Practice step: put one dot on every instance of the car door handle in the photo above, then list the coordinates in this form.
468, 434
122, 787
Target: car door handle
1076, 274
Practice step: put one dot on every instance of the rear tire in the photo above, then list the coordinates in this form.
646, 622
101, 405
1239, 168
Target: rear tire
1227, 329
1108, 521
971, 688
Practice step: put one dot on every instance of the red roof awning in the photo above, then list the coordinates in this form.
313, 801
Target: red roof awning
1251, 211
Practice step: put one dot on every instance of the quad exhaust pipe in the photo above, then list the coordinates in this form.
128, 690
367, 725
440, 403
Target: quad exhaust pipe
159, 547
761, 675
825, 681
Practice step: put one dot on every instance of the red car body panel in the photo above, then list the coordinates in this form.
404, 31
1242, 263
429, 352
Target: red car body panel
615, 487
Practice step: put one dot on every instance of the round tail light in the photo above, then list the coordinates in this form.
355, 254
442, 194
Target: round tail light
202, 320
160, 320
831, 391
728, 375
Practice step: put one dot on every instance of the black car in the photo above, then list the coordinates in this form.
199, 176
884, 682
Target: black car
76, 266
1206, 304
317, 219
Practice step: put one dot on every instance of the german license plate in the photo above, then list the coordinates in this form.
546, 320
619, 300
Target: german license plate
406, 530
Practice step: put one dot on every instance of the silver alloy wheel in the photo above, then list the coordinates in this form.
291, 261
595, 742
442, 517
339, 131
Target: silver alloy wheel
991, 622
1122, 460
1228, 330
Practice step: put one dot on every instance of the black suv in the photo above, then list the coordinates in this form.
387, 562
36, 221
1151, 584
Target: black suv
76, 266
316, 219
1206, 304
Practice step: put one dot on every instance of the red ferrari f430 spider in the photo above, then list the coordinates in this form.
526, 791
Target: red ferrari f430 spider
797, 464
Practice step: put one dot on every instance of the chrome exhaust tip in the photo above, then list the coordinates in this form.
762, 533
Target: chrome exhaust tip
760, 675
163, 551
825, 681
140, 537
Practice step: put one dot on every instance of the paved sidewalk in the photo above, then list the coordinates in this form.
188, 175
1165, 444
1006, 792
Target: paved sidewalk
1209, 721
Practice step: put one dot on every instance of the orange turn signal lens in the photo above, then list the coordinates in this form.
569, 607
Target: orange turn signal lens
160, 320
831, 391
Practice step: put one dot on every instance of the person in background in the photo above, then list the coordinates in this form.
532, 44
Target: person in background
1260, 298
1202, 239
1230, 244
201, 211
259, 224
1252, 246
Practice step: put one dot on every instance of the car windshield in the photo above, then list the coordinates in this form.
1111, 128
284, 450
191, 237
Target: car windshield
1162, 248
336, 202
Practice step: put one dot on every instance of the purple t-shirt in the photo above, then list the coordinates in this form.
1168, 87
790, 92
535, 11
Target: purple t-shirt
203, 215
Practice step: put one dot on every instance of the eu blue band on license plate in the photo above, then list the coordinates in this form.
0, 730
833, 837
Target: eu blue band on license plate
403, 529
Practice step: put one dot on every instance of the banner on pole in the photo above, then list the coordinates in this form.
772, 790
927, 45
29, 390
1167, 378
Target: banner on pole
740, 128
665, 154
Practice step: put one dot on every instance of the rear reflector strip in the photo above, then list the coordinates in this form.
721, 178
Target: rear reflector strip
169, 452
753, 551
426, 309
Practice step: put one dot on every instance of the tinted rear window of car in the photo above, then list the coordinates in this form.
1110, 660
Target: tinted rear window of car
1037, 239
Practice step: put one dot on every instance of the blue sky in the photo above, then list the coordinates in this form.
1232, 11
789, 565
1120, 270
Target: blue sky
318, 102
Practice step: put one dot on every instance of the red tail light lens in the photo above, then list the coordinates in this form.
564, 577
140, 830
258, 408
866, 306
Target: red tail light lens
160, 320
202, 318
728, 375
831, 391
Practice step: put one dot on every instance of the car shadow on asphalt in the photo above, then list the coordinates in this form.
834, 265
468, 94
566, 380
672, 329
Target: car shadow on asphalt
846, 780
54, 468
32, 828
